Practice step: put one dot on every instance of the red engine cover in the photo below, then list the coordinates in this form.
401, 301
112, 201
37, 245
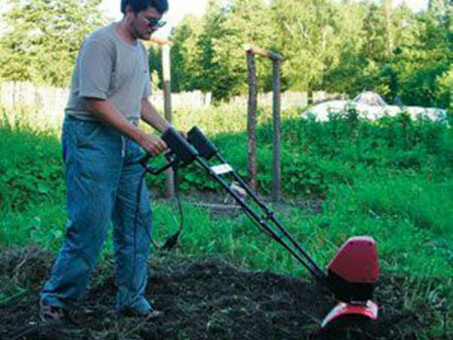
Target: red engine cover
356, 261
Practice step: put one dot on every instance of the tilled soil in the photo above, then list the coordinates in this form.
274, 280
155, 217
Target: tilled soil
208, 299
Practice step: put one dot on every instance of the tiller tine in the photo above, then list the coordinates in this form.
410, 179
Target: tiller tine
352, 276
348, 313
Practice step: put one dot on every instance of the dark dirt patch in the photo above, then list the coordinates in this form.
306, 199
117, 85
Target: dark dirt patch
209, 299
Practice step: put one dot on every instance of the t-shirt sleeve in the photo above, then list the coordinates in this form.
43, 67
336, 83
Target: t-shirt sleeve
147, 90
95, 70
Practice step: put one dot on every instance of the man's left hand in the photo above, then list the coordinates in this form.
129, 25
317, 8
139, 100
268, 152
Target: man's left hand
183, 133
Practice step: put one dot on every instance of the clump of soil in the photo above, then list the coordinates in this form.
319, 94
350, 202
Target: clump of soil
208, 299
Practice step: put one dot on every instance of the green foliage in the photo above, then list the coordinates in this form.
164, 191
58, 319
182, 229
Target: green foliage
155, 65
245, 22
184, 55
412, 199
349, 74
41, 225
33, 170
308, 33
445, 86
42, 39
208, 55
419, 65
407, 215
315, 156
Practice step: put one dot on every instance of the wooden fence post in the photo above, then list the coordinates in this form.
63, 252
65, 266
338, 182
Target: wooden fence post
277, 130
252, 103
251, 119
167, 109
166, 85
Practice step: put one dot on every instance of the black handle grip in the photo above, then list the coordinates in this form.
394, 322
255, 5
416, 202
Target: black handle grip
179, 146
203, 144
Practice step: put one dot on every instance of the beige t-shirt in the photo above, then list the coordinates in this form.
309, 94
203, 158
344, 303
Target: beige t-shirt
109, 68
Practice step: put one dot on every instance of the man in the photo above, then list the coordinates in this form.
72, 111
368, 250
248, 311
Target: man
101, 146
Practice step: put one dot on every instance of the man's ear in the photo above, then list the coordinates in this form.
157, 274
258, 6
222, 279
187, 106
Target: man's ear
129, 10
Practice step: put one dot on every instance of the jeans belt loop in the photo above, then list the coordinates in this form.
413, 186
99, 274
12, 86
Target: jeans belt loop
123, 147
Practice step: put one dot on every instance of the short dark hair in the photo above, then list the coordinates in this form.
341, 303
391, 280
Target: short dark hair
139, 5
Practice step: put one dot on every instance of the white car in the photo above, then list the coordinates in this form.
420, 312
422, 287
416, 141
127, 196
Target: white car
370, 105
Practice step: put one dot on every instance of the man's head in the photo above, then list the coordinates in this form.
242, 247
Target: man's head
144, 17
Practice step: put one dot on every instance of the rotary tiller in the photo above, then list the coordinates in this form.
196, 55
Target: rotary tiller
351, 275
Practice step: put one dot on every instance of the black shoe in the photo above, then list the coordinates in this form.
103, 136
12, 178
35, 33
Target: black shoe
152, 314
53, 314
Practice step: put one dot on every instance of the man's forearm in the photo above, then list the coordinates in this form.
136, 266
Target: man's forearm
104, 110
152, 117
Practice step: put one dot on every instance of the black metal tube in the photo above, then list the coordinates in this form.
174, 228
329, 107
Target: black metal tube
311, 266
274, 219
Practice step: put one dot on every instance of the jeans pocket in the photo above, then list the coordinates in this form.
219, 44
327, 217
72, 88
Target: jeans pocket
69, 138
88, 133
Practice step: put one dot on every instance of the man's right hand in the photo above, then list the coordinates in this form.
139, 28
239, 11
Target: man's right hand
152, 144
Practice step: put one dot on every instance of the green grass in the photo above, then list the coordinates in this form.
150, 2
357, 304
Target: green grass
403, 248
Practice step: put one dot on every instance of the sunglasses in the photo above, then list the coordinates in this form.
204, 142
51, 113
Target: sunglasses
155, 22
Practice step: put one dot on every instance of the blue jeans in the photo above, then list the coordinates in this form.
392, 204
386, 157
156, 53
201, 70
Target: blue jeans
102, 179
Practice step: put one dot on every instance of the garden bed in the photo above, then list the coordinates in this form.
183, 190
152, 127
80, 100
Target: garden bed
201, 299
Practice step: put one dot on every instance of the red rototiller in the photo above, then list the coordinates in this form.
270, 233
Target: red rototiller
352, 274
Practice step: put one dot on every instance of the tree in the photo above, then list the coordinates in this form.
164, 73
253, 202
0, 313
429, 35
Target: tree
441, 9
155, 65
209, 55
444, 83
420, 64
342, 46
372, 37
206, 68
186, 71
42, 39
245, 22
192, 53
348, 76
308, 38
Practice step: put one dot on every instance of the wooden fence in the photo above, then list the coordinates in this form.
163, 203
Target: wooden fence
48, 104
